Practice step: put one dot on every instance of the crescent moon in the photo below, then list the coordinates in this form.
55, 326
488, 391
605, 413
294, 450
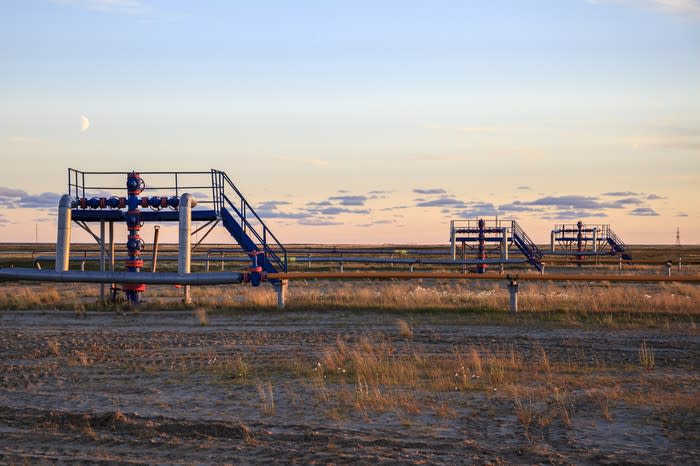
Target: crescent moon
84, 123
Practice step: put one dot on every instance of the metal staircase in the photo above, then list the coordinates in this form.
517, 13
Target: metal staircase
527, 246
245, 226
618, 246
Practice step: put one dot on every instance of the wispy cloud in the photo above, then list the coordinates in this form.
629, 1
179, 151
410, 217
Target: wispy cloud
573, 215
376, 222
475, 129
681, 214
430, 191
332, 211
17, 139
573, 202
432, 158
517, 207
443, 201
620, 193
644, 212
127, 7
479, 209
12, 198
135, 8
349, 200
314, 162
685, 8
319, 222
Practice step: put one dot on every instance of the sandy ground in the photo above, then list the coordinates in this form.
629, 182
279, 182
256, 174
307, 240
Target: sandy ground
160, 387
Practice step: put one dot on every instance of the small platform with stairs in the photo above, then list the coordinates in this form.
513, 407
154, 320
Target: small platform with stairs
581, 239
493, 236
218, 200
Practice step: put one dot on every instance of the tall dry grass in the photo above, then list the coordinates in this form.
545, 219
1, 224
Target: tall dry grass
598, 299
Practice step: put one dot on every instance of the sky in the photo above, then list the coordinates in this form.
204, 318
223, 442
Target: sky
363, 121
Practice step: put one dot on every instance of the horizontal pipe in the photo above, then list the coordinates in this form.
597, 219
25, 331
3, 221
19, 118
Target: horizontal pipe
483, 276
160, 278
561, 258
373, 260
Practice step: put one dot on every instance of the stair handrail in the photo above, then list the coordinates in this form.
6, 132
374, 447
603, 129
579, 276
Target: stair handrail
261, 240
246, 208
249, 207
535, 251
617, 240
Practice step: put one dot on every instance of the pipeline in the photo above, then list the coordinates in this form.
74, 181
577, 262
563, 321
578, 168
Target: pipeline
484, 276
160, 278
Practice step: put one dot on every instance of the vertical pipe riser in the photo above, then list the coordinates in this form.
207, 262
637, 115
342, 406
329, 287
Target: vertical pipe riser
135, 186
63, 233
481, 268
184, 258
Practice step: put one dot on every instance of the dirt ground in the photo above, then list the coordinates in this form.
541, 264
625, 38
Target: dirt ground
181, 387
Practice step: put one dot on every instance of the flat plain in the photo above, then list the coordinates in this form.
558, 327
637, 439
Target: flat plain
419, 372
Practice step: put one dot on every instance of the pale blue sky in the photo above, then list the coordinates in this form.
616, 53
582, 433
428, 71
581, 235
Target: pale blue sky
570, 98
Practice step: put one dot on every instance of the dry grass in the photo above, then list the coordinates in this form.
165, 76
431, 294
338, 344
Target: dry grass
404, 329
201, 314
646, 356
377, 374
600, 300
267, 398
372, 374
54, 347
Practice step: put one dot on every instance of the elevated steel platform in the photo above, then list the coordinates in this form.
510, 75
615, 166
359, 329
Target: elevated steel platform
580, 239
218, 201
198, 215
493, 236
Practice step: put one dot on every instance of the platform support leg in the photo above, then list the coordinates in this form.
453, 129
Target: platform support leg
281, 289
102, 258
513, 291
112, 286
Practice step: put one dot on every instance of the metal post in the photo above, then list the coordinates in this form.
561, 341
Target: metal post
102, 258
513, 291
63, 233
595, 239
554, 232
222, 261
154, 264
453, 241
184, 258
505, 244
281, 288
112, 286
680, 263
669, 264
341, 267
542, 269
619, 267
